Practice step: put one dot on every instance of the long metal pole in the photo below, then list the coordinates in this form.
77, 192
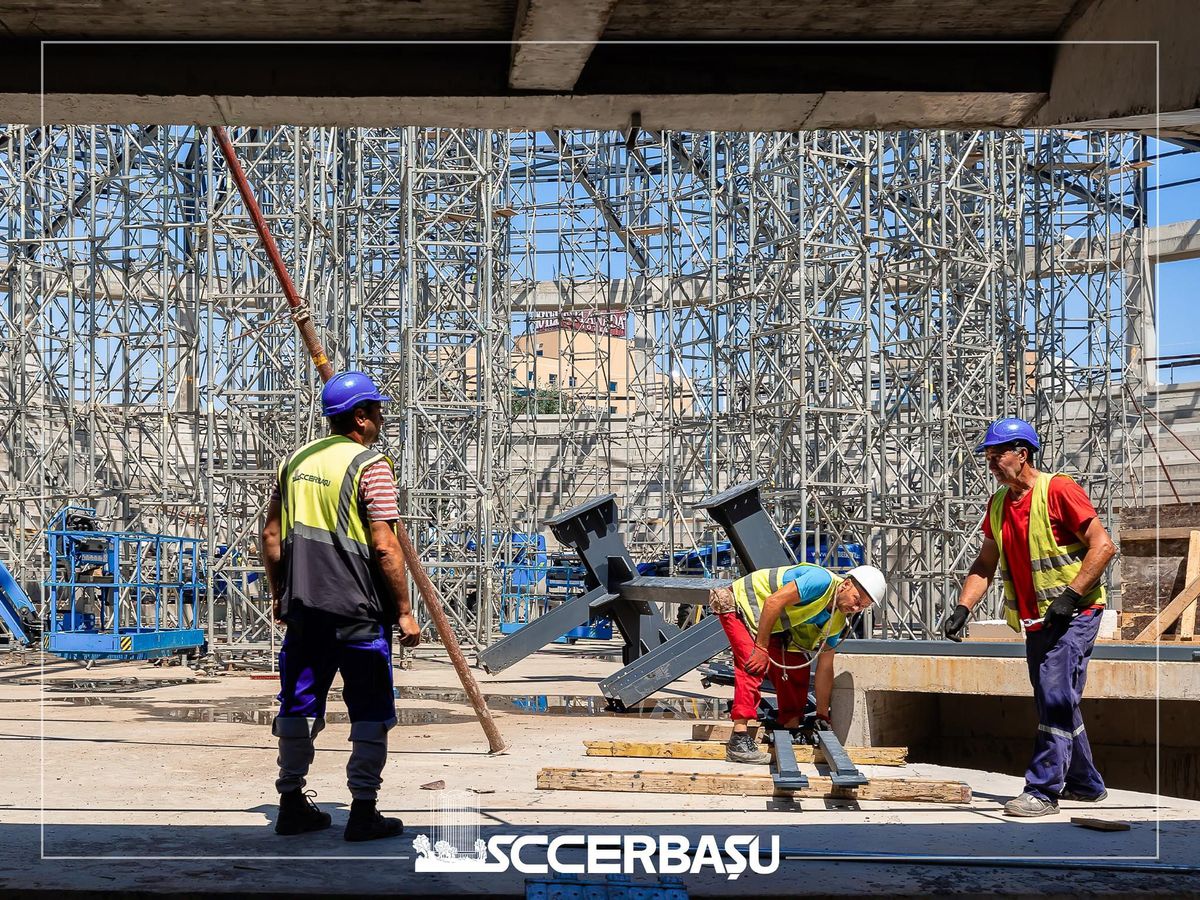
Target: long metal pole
315, 349
308, 333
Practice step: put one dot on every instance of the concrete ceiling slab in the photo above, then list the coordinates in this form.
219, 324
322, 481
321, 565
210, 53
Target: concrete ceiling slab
485, 63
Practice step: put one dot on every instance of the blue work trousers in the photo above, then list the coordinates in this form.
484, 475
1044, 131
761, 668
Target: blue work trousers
1058, 660
316, 647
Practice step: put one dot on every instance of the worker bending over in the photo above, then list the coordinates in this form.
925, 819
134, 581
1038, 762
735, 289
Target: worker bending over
338, 580
784, 621
1051, 547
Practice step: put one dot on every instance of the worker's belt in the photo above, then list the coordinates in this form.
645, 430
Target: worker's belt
1088, 611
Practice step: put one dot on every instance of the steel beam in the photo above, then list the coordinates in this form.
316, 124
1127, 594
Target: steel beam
842, 772
739, 511
545, 629
651, 589
638, 680
590, 529
785, 771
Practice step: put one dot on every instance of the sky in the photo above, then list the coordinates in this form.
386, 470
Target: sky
1179, 317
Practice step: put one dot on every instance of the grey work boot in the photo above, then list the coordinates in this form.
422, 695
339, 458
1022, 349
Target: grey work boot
1083, 798
743, 749
366, 823
298, 813
1030, 805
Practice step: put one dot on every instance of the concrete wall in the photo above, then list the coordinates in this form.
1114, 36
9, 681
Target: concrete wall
978, 713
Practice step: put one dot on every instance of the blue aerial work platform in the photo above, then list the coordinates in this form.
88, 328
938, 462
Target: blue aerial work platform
17, 611
536, 581
120, 594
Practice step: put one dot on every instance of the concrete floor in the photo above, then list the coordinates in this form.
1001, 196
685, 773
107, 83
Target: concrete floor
170, 788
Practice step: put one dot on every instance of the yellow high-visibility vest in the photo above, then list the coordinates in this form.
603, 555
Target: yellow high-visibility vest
1054, 566
752, 591
327, 544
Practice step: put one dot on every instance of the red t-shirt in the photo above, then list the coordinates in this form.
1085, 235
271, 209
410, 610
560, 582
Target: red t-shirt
1070, 511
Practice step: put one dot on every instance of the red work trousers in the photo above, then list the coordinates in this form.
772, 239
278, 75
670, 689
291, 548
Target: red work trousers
791, 685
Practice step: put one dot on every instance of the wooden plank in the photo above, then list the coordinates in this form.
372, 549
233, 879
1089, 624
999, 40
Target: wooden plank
866, 756
1171, 612
702, 731
1100, 824
749, 785
1180, 533
1187, 621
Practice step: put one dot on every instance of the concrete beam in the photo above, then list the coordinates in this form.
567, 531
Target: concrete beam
672, 86
1164, 244
540, 66
1119, 84
1174, 242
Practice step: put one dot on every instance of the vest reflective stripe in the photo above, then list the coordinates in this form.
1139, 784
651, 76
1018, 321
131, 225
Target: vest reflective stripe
1061, 732
751, 591
1053, 566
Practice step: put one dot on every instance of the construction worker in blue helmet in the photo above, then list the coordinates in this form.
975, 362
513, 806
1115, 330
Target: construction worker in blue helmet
338, 582
1051, 547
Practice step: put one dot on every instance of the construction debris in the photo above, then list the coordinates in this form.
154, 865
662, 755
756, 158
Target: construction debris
1100, 824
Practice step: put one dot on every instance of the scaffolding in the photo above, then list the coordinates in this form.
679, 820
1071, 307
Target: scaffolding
563, 314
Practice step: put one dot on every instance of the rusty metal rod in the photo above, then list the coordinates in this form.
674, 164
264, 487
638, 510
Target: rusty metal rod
308, 333
434, 604
312, 342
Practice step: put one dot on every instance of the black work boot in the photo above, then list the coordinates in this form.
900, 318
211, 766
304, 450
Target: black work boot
743, 749
366, 823
298, 813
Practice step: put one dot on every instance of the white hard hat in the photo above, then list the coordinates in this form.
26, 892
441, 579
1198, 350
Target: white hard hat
871, 580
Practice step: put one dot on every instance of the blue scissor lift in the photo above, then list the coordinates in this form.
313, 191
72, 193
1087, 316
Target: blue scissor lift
120, 594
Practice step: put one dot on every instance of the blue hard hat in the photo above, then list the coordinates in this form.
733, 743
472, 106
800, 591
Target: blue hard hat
349, 389
1005, 431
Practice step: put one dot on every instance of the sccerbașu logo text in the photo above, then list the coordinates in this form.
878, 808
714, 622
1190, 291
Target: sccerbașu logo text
315, 479
605, 854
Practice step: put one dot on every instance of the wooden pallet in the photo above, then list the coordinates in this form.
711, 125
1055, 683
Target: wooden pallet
750, 785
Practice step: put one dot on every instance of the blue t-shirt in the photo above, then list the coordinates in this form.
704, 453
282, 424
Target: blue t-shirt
812, 582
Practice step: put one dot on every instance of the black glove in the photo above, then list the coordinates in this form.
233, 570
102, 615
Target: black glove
953, 624
1060, 611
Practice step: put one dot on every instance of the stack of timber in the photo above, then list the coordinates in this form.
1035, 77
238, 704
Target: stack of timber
1160, 572
708, 743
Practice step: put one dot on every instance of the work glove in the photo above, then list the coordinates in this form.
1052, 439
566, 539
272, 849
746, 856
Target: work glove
758, 662
1058, 615
953, 624
821, 723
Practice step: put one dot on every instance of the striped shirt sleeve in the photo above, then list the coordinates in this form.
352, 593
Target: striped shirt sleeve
377, 491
